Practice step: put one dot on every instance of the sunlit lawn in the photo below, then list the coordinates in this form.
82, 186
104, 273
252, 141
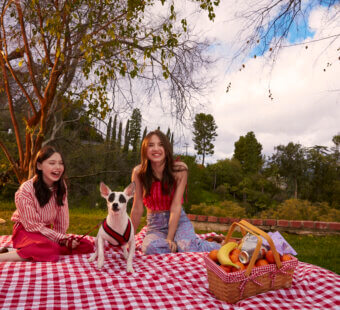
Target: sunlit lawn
323, 251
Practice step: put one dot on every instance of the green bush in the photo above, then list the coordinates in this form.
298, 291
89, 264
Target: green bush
223, 209
295, 209
232, 209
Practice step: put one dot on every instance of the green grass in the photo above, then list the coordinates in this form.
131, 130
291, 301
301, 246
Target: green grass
323, 251
82, 220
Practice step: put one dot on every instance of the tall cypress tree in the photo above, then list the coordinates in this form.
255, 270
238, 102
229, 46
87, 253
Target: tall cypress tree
127, 137
168, 134
108, 130
144, 133
204, 134
135, 129
248, 153
114, 132
119, 137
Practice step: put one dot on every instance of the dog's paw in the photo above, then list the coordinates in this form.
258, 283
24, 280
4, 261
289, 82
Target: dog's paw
130, 269
100, 263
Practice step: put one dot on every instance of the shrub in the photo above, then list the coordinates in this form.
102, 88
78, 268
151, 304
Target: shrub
224, 209
295, 209
233, 209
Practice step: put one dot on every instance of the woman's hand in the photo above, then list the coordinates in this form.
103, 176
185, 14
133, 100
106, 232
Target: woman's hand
72, 243
172, 245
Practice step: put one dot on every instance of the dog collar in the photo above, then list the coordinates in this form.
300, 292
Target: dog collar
121, 239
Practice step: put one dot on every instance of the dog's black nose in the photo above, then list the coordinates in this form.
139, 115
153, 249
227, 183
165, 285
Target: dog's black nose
115, 206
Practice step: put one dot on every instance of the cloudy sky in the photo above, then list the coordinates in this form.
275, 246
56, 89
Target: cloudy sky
304, 82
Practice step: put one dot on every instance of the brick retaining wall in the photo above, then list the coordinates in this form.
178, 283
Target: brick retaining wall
213, 223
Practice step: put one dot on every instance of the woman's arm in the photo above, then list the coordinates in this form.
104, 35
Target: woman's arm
30, 218
137, 206
176, 204
62, 220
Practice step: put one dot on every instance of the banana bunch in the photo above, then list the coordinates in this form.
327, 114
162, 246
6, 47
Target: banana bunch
223, 254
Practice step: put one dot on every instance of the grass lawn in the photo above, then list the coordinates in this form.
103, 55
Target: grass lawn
323, 251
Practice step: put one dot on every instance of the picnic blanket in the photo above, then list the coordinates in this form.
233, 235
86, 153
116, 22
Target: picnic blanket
167, 281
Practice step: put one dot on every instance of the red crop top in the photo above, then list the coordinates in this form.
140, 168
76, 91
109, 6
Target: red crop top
156, 200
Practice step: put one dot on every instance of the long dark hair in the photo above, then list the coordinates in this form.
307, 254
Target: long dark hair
42, 192
146, 175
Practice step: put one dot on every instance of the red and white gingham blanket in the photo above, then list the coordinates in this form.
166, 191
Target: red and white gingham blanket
171, 281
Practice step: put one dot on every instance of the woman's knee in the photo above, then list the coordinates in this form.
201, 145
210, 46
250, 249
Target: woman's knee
184, 245
196, 245
155, 246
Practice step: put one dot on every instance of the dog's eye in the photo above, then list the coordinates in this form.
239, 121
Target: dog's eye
111, 197
122, 199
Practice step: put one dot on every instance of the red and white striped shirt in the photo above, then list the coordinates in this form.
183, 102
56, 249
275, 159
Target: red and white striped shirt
37, 219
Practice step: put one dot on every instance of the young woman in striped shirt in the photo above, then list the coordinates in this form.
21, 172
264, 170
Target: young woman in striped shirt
42, 217
160, 185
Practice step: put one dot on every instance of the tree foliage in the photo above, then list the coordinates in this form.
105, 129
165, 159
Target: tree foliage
291, 163
248, 153
135, 129
58, 55
204, 134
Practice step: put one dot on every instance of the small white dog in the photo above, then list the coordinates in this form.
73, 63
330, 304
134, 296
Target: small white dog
117, 227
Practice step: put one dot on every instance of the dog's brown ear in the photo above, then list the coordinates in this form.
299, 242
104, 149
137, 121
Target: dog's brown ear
104, 190
130, 189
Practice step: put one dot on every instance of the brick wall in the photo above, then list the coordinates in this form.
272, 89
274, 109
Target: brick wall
213, 223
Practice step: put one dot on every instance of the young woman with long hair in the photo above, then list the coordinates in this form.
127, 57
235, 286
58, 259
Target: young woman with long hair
160, 184
41, 217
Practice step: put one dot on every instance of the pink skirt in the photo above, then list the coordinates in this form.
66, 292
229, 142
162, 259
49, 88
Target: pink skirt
36, 247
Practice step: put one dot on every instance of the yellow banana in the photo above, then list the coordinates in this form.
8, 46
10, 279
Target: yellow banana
223, 254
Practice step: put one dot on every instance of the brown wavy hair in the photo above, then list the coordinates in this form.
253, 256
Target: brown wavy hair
42, 192
146, 175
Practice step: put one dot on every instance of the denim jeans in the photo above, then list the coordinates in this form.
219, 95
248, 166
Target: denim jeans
185, 236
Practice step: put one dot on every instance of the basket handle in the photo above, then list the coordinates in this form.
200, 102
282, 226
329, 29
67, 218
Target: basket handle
245, 226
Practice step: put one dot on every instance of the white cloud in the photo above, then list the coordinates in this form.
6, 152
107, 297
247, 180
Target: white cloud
306, 104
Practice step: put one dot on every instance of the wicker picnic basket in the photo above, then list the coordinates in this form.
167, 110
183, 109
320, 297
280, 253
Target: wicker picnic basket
235, 286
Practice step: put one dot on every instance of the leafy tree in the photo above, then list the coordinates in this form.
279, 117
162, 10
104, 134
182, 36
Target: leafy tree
248, 153
197, 186
204, 134
58, 55
321, 175
336, 141
291, 164
225, 172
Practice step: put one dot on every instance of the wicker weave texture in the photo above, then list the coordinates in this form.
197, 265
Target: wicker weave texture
231, 293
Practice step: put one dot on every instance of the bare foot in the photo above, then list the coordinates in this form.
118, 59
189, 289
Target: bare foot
218, 239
